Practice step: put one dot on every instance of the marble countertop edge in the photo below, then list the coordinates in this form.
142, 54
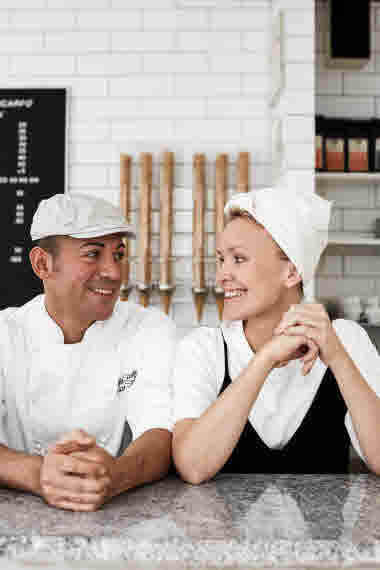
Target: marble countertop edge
222, 554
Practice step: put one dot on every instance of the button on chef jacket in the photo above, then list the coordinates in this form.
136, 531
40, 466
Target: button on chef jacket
286, 394
118, 373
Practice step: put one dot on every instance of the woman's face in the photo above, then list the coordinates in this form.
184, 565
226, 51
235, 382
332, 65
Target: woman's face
251, 269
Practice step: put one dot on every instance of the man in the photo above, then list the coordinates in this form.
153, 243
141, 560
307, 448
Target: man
84, 386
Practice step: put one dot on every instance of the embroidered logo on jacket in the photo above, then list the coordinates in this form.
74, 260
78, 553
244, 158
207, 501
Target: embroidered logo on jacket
126, 380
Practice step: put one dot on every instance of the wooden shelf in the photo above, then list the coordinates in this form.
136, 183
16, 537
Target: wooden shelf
347, 238
348, 176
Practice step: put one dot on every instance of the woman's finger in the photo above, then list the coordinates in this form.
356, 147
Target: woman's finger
310, 357
309, 314
307, 366
302, 330
296, 319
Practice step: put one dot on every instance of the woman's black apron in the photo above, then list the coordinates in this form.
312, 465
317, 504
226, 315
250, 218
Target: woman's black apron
320, 444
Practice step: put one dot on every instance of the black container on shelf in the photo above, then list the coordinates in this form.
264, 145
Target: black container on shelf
375, 145
335, 144
319, 143
358, 135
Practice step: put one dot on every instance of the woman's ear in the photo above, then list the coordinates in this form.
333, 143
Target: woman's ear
42, 262
293, 277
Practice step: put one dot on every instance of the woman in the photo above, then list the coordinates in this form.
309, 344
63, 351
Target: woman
302, 387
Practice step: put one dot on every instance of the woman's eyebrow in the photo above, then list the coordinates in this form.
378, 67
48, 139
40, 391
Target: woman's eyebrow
231, 248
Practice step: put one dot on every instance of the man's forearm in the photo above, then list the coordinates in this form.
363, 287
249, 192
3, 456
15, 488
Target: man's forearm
145, 460
20, 470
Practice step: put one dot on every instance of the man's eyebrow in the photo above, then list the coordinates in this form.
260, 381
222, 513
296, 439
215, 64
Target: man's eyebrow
100, 244
89, 243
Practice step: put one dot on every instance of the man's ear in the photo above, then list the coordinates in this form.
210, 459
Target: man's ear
293, 277
42, 262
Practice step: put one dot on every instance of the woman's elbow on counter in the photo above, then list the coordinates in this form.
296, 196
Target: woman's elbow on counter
372, 463
189, 474
374, 467
188, 460
193, 479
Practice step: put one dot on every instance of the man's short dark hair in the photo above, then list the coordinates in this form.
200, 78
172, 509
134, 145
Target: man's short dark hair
49, 244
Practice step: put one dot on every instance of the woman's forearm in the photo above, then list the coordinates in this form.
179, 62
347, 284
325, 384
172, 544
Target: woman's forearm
363, 405
202, 447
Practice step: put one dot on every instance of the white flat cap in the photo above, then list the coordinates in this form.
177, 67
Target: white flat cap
78, 216
297, 221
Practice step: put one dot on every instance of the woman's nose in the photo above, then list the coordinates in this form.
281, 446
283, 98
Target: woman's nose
223, 272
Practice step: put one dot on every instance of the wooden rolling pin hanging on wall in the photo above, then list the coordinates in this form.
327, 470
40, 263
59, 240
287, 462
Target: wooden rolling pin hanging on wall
199, 189
166, 286
144, 274
221, 182
242, 172
125, 205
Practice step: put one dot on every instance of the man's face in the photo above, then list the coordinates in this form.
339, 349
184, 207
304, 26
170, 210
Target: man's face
86, 277
251, 269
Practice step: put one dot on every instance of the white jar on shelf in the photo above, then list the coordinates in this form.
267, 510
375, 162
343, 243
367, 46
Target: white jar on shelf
352, 308
372, 302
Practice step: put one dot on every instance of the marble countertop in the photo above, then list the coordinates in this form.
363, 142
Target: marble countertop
238, 521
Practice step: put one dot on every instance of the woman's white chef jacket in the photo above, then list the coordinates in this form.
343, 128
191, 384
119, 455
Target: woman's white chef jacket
120, 372
286, 395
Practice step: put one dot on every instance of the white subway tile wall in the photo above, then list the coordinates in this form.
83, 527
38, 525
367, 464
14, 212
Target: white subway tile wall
351, 93
187, 75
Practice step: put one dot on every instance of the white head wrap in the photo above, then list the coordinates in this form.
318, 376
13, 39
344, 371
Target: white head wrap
297, 221
79, 216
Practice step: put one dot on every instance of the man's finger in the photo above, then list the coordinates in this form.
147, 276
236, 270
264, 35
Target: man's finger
67, 505
75, 440
75, 484
89, 455
79, 467
70, 505
79, 435
59, 465
81, 498
69, 447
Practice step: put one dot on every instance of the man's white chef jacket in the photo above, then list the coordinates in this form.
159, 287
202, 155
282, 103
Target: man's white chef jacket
285, 396
120, 372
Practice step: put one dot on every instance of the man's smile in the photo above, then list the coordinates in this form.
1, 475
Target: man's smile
101, 291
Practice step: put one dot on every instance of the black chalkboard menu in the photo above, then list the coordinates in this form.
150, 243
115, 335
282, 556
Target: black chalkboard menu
32, 167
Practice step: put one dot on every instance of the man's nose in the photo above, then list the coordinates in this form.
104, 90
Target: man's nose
110, 268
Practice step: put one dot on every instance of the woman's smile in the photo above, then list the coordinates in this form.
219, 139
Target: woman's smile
233, 294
